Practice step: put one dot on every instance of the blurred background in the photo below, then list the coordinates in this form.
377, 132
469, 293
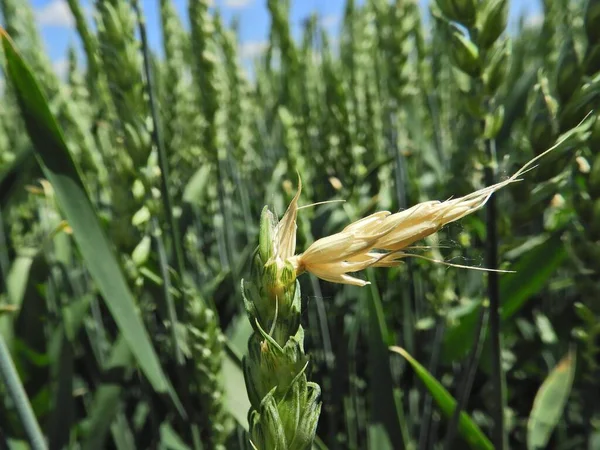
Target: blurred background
126, 228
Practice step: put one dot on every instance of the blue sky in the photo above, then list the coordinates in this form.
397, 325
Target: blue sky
56, 24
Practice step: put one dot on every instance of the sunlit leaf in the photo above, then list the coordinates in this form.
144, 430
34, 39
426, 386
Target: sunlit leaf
550, 402
467, 428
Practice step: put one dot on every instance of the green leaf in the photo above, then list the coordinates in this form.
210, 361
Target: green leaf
56, 162
73, 314
467, 428
378, 437
516, 102
18, 276
18, 284
238, 334
63, 413
236, 396
196, 186
170, 440
12, 176
318, 444
533, 270
107, 400
25, 333
14, 444
550, 402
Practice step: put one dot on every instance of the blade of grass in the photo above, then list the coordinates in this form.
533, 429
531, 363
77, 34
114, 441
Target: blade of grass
550, 402
56, 162
467, 428
15, 390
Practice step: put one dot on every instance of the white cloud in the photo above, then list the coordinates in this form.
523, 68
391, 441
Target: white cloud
534, 20
237, 4
330, 20
55, 14
61, 67
252, 49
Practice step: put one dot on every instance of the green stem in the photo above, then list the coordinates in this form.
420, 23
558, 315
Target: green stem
166, 279
88, 40
162, 153
470, 371
4, 261
494, 298
172, 225
425, 432
10, 377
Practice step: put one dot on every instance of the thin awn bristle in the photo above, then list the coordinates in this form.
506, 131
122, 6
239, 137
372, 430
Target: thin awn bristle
523, 170
341, 200
428, 247
460, 266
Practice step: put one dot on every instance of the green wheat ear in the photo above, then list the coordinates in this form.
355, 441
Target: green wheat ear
285, 406
206, 344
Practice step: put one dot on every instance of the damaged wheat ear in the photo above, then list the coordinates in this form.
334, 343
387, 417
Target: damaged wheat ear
382, 238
